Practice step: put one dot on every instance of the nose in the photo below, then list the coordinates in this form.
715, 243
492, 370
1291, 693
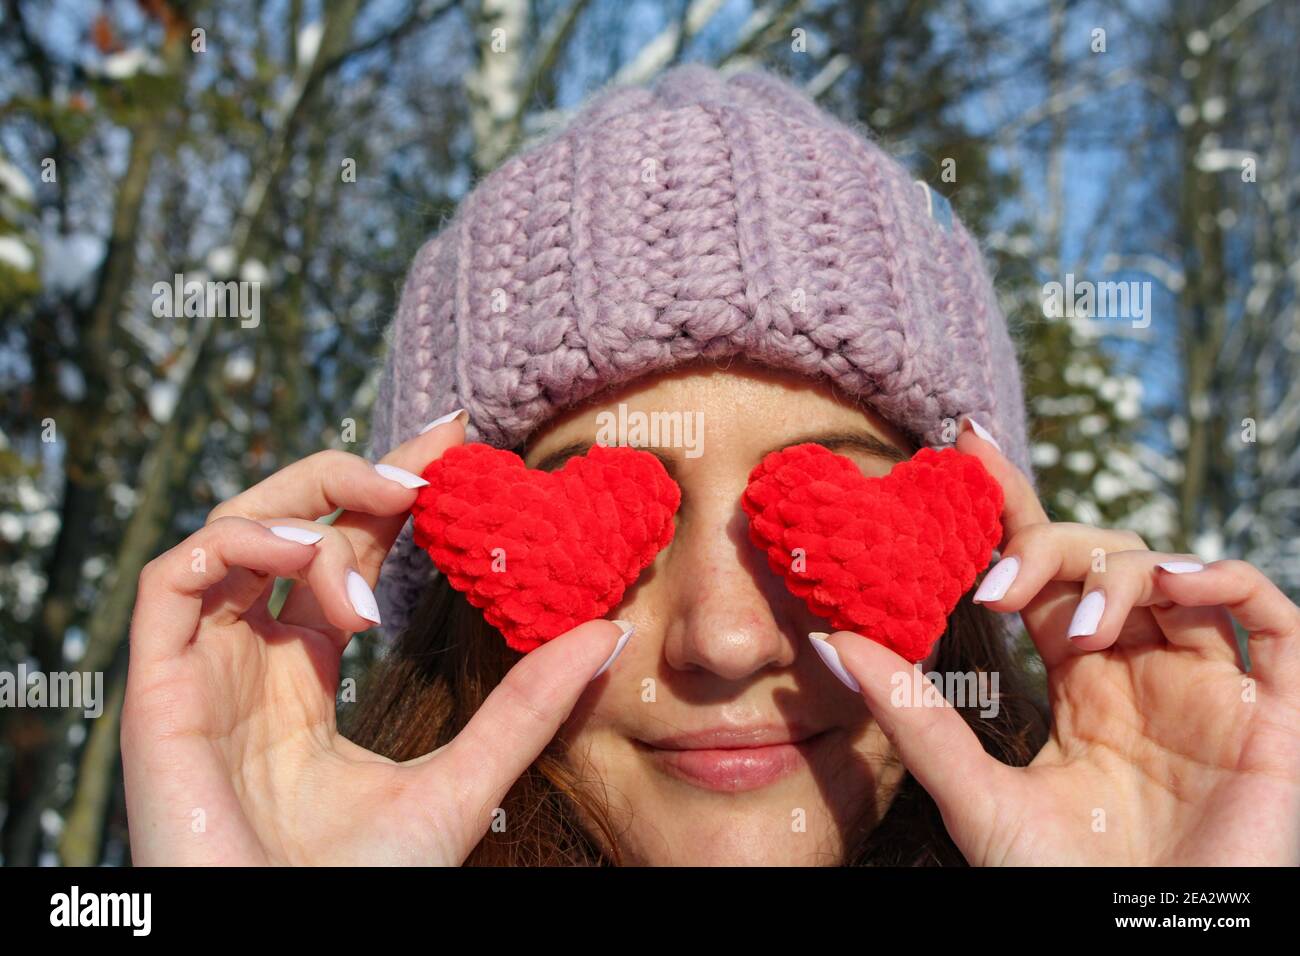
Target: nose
722, 618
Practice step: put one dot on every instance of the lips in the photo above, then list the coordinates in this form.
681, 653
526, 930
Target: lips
734, 760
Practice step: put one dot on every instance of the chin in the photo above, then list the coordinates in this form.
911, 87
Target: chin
762, 838
788, 824
710, 811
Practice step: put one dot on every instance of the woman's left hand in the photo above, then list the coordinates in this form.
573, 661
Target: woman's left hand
1163, 750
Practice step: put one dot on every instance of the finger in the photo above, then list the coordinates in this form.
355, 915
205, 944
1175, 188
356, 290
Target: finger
1207, 629
319, 485
1037, 554
241, 589
1022, 507
1039, 574
936, 745
1269, 618
372, 534
343, 602
169, 597
1122, 601
522, 715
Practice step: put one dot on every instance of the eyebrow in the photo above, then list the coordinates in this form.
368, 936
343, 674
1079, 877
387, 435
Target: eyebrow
853, 439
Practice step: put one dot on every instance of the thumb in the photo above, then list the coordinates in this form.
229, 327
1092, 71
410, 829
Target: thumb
934, 743
1021, 506
522, 715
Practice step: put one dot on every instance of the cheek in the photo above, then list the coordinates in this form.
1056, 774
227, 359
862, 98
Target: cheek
616, 702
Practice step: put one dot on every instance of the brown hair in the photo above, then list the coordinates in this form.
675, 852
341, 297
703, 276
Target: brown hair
442, 667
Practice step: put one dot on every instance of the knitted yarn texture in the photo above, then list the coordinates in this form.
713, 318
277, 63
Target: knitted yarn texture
542, 552
885, 557
700, 217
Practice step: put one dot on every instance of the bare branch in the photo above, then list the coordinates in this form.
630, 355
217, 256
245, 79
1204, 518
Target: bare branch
657, 53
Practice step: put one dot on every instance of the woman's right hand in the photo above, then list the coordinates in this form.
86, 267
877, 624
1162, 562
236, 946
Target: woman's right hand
230, 748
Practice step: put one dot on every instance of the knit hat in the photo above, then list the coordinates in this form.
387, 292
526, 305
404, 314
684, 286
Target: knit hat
699, 217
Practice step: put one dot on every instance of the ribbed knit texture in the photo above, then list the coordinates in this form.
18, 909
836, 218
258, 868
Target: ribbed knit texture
542, 552
702, 217
885, 557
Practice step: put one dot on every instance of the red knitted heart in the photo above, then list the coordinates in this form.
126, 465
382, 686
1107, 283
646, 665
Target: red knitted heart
542, 552
887, 557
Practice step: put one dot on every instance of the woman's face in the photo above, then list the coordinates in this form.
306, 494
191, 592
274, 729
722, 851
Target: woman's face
719, 736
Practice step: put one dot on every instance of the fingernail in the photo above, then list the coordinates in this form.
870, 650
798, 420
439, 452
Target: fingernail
443, 420
983, 432
301, 535
628, 627
400, 475
1087, 615
1180, 567
831, 658
362, 598
998, 580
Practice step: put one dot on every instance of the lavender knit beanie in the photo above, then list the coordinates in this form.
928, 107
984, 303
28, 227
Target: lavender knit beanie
701, 217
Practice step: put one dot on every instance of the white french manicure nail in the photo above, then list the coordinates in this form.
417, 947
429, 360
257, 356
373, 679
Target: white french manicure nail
983, 433
362, 598
831, 658
400, 475
998, 580
441, 421
1181, 567
628, 627
1087, 615
300, 535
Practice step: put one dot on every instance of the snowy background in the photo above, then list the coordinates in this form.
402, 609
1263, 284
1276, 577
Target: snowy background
310, 148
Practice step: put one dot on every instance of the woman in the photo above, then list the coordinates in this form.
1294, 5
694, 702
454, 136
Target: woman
721, 249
